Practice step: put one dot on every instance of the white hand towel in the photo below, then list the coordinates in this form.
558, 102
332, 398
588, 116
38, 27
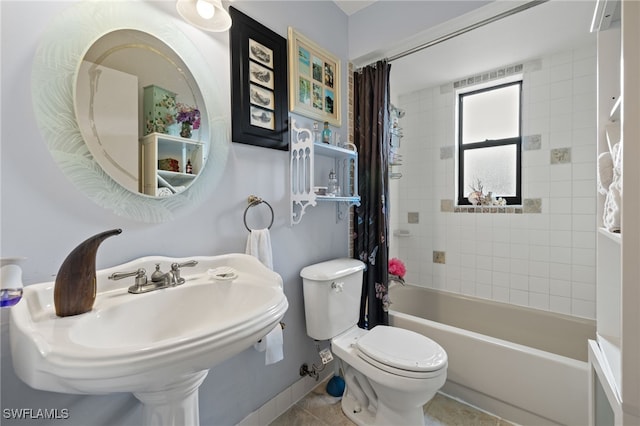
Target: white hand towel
259, 245
272, 344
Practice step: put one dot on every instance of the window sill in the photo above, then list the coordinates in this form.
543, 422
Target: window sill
530, 205
489, 209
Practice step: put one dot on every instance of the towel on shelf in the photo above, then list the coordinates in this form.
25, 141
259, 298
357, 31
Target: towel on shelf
605, 172
259, 246
613, 199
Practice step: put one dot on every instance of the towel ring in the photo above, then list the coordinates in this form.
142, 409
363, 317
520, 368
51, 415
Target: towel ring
254, 201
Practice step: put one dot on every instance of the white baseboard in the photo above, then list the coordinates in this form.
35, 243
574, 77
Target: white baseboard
284, 400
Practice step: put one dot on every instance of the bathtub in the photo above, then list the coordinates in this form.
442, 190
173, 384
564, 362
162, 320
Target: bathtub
525, 365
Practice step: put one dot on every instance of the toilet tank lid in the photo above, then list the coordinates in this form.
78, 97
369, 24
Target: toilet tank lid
332, 269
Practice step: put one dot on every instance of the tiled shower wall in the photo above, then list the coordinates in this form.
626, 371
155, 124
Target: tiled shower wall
540, 255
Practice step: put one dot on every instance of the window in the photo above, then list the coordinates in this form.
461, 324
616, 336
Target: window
489, 142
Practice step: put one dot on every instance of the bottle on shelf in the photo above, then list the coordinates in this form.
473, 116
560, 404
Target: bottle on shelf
332, 187
189, 169
326, 133
316, 132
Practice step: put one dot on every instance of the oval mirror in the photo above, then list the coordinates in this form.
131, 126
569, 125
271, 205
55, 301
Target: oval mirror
140, 112
113, 100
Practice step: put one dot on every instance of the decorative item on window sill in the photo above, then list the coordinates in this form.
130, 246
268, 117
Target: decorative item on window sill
477, 197
189, 117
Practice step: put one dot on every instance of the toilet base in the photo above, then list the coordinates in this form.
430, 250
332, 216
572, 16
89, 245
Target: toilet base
364, 417
355, 412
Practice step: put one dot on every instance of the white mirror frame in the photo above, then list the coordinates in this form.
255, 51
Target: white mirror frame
53, 82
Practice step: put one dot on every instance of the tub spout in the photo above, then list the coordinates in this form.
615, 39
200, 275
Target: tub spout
75, 288
397, 279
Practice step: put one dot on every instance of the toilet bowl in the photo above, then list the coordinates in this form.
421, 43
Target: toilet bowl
390, 373
389, 383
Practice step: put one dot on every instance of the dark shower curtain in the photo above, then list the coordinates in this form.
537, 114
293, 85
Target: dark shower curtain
371, 134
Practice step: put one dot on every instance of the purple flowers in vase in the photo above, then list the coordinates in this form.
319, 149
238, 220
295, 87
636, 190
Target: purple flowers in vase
188, 117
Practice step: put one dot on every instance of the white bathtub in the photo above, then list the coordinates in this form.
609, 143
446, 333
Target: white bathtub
525, 365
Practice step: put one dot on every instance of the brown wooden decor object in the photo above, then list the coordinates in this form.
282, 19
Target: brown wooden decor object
75, 288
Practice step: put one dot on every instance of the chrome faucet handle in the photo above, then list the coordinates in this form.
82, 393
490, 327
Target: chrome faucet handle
140, 274
184, 264
140, 282
175, 268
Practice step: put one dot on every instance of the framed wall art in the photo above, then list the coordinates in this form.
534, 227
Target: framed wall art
314, 80
258, 84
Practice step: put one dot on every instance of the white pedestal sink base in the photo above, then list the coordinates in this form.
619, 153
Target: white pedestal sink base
173, 404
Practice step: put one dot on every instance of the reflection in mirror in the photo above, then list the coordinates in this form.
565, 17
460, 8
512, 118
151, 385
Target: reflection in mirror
54, 80
136, 104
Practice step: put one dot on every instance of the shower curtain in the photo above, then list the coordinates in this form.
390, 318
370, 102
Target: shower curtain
371, 137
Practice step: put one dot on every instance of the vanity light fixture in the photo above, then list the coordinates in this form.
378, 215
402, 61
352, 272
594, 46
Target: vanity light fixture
208, 15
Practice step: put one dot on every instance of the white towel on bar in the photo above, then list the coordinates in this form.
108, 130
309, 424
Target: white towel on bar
259, 245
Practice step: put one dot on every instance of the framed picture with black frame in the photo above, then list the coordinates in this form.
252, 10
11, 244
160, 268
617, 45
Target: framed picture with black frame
258, 84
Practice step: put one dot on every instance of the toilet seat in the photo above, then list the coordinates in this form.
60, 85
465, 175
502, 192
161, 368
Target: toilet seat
402, 352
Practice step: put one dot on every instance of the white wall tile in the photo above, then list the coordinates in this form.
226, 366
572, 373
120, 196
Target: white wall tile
585, 188
519, 251
560, 254
583, 291
560, 271
560, 288
500, 294
560, 222
562, 189
561, 72
583, 257
584, 273
560, 205
583, 308
560, 304
501, 279
561, 239
519, 297
539, 285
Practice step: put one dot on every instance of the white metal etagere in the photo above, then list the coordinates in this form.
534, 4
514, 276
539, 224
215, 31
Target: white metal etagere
302, 152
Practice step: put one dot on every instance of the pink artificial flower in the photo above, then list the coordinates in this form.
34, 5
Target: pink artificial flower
396, 267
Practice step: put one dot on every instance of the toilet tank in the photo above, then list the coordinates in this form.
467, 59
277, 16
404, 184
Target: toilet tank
332, 292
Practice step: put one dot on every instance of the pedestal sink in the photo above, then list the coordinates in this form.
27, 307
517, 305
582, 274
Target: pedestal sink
158, 345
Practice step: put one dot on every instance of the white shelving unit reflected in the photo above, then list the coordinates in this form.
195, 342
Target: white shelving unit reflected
158, 146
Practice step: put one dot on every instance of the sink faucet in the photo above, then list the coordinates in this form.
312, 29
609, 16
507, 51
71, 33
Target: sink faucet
159, 279
162, 279
175, 269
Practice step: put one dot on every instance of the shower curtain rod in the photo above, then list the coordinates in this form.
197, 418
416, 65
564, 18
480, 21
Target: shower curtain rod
464, 30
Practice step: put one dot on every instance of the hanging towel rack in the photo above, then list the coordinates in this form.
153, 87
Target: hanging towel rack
254, 201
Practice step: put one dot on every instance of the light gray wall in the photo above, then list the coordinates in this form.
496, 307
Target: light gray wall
44, 216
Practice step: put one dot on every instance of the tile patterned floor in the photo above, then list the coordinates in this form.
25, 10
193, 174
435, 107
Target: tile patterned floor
320, 409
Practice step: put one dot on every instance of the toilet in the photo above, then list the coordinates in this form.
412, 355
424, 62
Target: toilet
390, 373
